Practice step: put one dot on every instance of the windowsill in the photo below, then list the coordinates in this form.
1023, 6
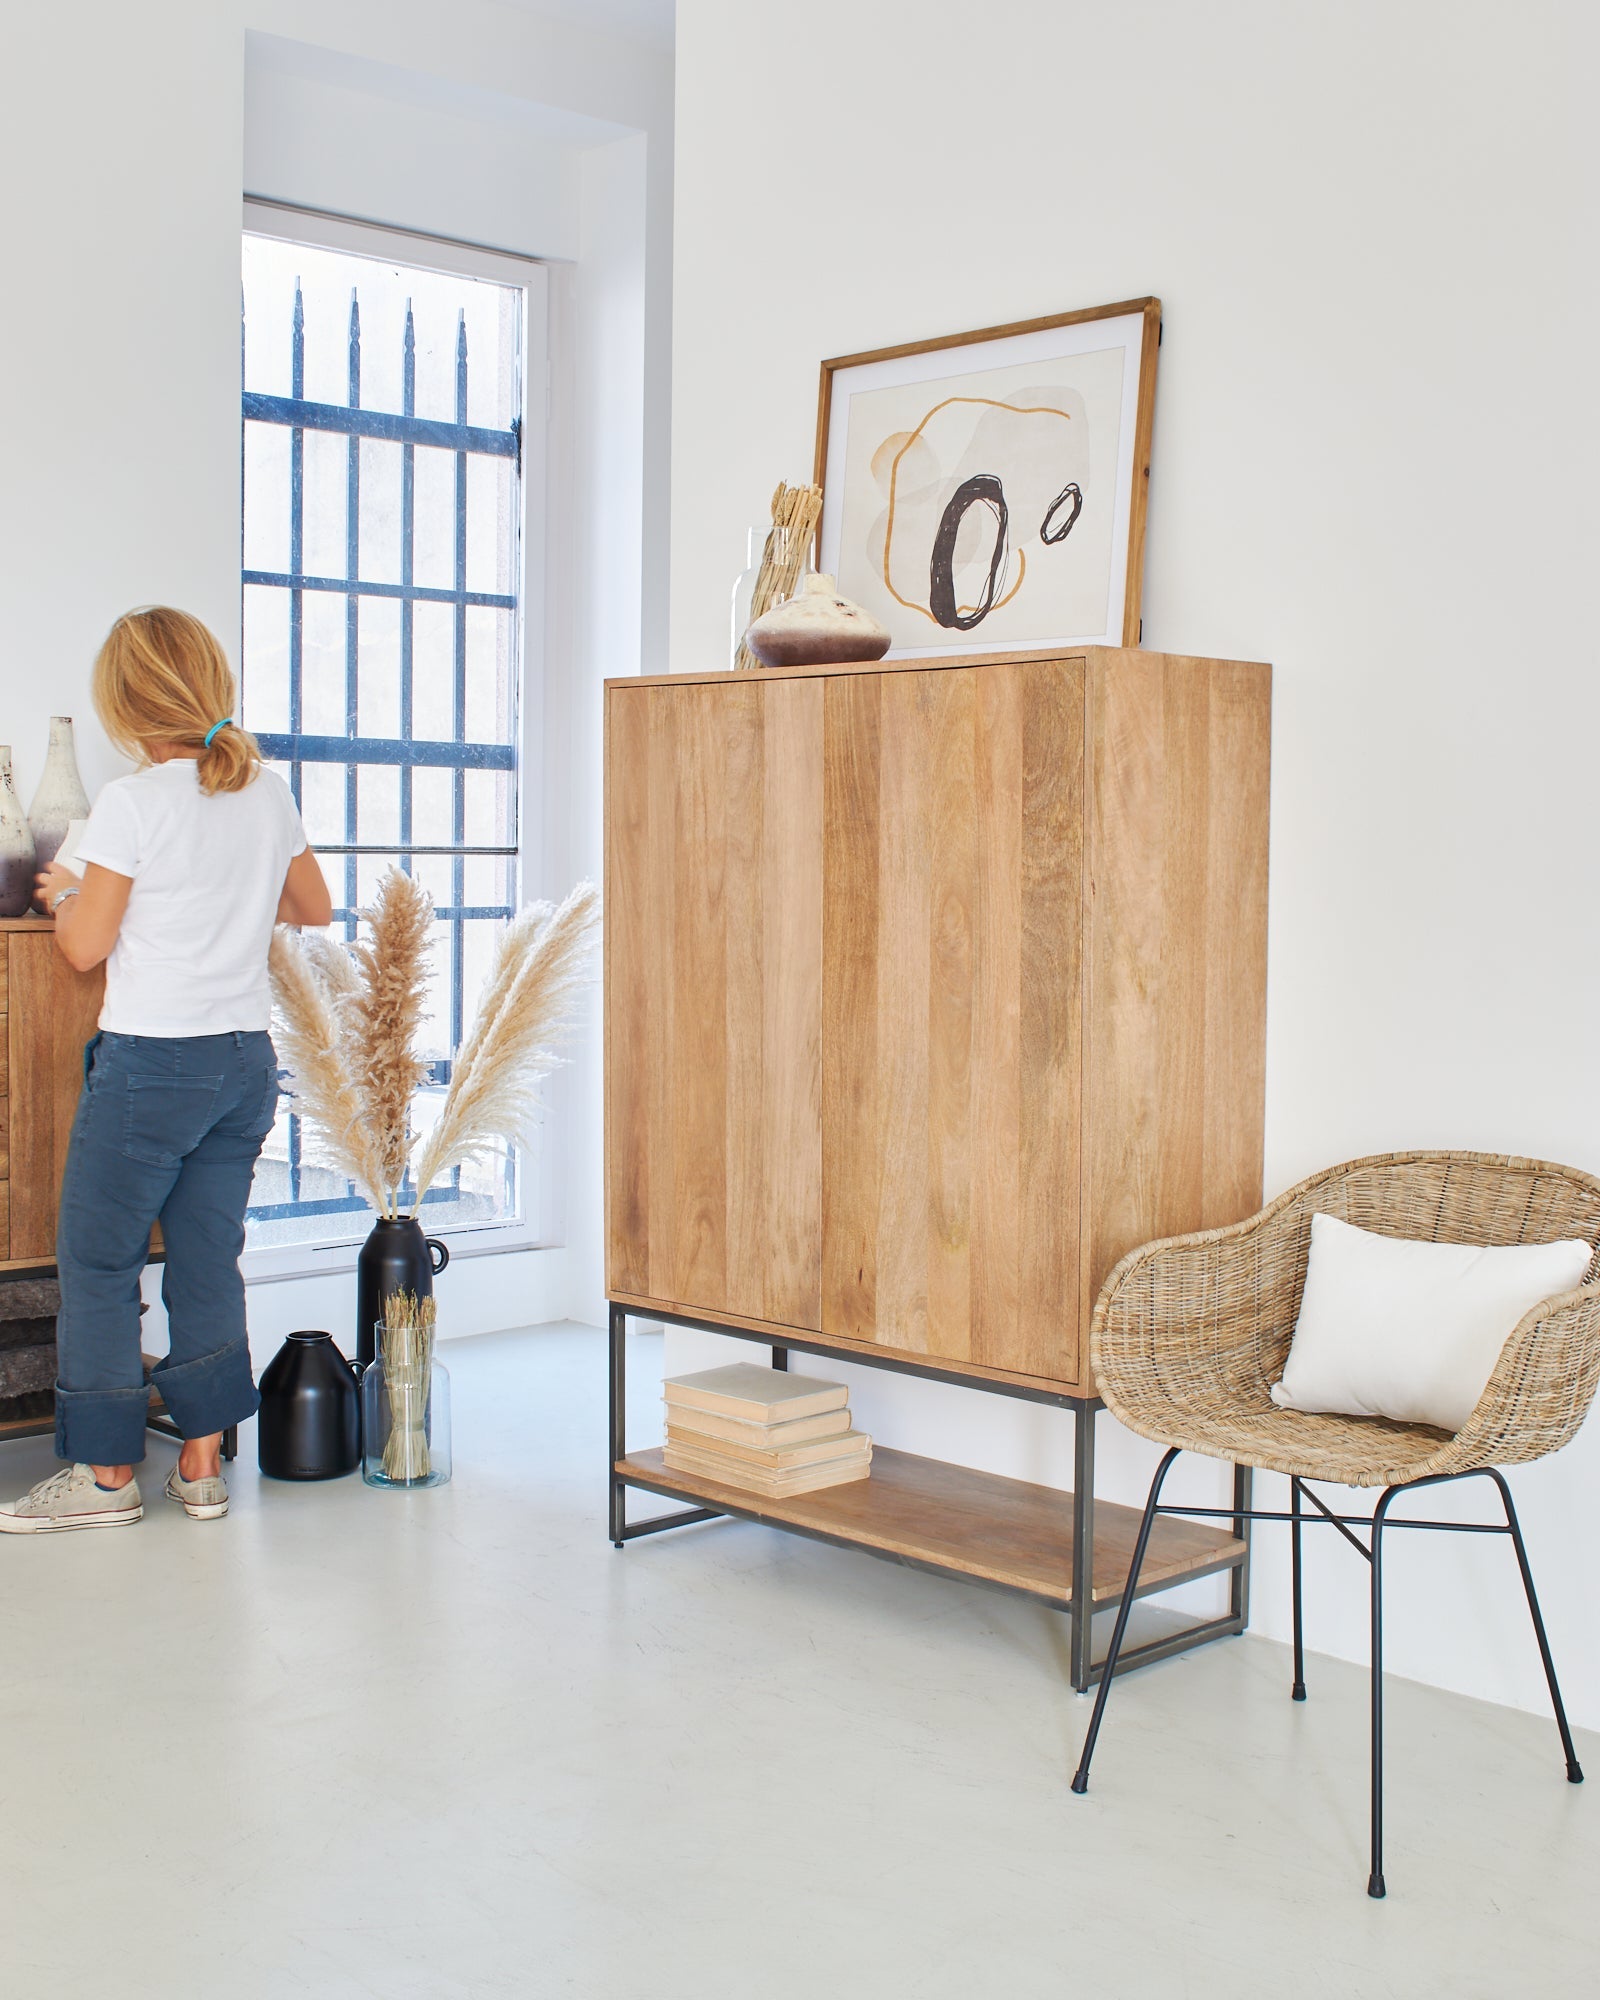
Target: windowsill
284, 1263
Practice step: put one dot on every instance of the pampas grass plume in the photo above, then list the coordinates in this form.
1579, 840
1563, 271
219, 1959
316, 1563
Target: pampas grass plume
309, 1042
349, 1016
526, 1008
383, 1013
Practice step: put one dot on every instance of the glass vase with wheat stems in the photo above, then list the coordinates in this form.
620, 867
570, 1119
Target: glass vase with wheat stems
406, 1400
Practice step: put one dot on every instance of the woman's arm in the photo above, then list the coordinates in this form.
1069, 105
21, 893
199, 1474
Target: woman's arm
305, 898
87, 923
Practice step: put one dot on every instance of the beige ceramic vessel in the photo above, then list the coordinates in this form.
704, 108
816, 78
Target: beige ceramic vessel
816, 628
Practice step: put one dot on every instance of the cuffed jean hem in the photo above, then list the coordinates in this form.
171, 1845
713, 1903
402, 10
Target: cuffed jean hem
101, 1426
107, 1426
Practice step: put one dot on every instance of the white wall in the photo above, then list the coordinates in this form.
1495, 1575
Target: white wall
1372, 466
129, 139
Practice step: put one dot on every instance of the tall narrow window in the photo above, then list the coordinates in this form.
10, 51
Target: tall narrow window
382, 568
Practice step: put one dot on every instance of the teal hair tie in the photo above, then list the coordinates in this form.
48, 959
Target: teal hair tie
225, 723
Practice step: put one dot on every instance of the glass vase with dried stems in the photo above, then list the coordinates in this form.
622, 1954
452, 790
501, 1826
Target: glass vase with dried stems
406, 1400
348, 1022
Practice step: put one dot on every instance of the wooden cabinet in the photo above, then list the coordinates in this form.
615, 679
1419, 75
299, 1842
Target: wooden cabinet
49, 1012
932, 988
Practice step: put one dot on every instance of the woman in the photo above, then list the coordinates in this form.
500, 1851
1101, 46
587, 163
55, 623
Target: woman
187, 865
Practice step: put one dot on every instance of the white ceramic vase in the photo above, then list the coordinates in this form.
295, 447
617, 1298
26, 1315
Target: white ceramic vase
60, 797
16, 845
816, 628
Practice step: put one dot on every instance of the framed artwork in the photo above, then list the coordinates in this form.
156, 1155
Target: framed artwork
987, 491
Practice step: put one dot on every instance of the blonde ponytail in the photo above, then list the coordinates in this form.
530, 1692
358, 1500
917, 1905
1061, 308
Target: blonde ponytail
161, 677
231, 762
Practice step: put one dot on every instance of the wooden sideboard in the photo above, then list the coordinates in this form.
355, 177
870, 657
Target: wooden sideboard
47, 1012
932, 987
50, 1012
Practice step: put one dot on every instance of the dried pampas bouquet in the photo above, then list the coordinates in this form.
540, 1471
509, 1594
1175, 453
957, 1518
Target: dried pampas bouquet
346, 1030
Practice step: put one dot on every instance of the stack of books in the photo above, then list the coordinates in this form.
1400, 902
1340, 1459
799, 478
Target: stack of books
764, 1430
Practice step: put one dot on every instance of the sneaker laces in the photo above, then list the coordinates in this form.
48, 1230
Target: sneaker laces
56, 1486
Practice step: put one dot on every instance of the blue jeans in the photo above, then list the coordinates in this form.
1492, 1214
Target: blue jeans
167, 1129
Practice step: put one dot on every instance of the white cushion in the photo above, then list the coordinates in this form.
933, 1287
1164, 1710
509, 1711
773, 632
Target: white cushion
1393, 1328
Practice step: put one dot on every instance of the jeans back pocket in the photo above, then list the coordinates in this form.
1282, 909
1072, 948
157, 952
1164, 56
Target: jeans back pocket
166, 1117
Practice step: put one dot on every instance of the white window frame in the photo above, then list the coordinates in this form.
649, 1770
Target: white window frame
538, 1225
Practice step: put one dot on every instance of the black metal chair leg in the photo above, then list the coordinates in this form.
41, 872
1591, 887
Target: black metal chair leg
1375, 1882
230, 1442
1298, 1691
1574, 1768
1080, 1781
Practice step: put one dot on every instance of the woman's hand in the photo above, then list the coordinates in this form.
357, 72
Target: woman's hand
86, 924
52, 879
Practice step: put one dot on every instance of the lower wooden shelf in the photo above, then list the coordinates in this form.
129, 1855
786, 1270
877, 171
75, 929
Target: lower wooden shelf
19, 1427
975, 1524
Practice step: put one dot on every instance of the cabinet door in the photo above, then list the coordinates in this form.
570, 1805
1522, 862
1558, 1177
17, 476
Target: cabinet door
52, 1014
951, 1013
714, 996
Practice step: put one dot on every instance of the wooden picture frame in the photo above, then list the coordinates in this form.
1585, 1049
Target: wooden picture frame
917, 523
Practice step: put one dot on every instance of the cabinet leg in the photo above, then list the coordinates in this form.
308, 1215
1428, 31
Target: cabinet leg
780, 1358
1082, 1603
619, 1422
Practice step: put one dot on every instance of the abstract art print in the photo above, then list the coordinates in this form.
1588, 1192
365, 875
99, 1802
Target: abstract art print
987, 491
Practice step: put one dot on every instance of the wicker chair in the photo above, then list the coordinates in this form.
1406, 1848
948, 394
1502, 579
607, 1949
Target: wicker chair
1189, 1334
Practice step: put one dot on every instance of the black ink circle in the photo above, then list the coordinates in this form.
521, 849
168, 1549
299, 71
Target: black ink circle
1073, 492
982, 489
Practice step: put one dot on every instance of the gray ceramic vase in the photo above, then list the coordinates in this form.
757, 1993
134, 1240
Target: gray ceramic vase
16, 845
816, 628
60, 797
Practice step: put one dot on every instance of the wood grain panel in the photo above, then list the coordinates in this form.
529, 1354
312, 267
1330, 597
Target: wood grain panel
773, 1101
1176, 968
697, 1075
1236, 946
852, 1160
995, 1530
5, 1138
950, 1013
713, 992
53, 1013
632, 946
903, 918
5, 1219
997, 1224
1050, 1030
790, 1114
951, 814
744, 1005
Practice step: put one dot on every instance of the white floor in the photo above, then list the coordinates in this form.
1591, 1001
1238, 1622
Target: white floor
452, 1744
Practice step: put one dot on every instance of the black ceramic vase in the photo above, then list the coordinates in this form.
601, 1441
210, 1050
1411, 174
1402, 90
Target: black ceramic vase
310, 1422
396, 1257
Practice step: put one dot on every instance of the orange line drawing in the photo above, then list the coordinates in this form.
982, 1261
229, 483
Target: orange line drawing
986, 402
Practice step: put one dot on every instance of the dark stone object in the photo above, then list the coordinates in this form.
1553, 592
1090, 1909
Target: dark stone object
310, 1422
24, 1371
396, 1257
27, 1333
29, 1298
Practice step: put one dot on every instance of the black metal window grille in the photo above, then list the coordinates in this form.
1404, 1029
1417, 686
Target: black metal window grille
355, 753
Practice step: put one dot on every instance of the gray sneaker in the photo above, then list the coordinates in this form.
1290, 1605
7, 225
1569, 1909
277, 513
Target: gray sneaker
71, 1499
201, 1499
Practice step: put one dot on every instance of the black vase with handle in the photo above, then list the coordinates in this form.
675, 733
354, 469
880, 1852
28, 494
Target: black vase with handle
396, 1257
310, 1422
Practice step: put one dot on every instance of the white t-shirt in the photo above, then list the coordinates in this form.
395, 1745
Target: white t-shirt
191, 957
